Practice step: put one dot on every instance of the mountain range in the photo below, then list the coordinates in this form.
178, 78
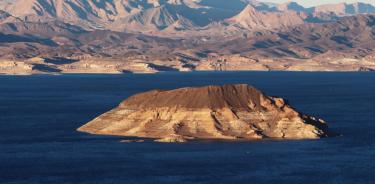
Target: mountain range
184, 30
147, 16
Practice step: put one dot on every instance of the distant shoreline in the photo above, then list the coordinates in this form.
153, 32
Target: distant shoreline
223, 63
171, 72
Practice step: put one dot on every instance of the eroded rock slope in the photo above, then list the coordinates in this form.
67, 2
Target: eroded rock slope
210, 112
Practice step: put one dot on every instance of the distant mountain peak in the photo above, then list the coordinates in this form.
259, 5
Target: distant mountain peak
291, 5
250, 18
246, 12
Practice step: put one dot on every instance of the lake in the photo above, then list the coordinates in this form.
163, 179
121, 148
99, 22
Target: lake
39, 144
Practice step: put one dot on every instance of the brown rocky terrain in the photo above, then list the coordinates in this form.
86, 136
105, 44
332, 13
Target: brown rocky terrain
210, 112
118, 36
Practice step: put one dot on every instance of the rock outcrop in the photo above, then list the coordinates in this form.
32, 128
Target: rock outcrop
211, 112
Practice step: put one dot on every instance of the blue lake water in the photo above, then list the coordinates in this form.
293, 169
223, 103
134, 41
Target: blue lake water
39, 144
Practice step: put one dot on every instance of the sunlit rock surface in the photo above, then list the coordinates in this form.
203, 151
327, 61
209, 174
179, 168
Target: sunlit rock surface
210, 112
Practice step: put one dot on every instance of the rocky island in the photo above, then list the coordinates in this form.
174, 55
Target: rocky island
211, 112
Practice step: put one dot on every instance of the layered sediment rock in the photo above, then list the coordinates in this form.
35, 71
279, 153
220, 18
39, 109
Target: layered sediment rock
211, 112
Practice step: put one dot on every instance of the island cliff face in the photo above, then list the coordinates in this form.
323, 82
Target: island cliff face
211, 112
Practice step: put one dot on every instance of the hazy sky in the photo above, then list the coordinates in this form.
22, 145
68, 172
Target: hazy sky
308, 3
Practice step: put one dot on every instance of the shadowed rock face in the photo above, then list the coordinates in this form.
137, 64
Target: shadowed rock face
211, 112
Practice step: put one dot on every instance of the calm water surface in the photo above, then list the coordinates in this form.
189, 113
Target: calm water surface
39, 144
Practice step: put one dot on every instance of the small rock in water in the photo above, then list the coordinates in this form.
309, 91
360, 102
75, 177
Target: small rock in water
172, 138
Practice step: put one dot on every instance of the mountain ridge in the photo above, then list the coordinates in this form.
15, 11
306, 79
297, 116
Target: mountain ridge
186, 35
108, 14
